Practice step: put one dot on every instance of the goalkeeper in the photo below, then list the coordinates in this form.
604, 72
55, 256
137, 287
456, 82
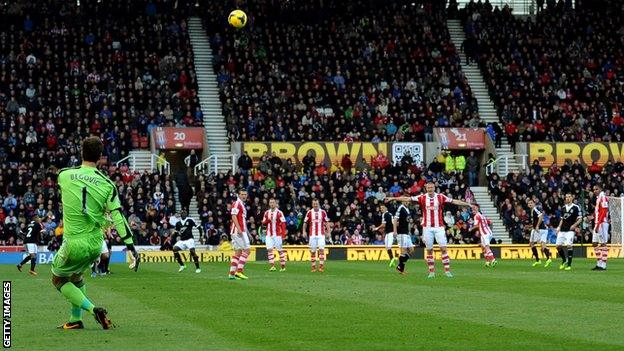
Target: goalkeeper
86, 194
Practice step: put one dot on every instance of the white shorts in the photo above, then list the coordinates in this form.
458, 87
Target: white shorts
274, 242
405, 241
539, 236
32, 248
104, 248
185, 244
565, 238
240, 242
486, 240
429, 233
389, 240
602, 235
317, 242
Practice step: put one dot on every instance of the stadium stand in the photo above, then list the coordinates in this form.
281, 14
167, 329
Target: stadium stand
557, 76
339, 70
351, 200
547, 187
114, 69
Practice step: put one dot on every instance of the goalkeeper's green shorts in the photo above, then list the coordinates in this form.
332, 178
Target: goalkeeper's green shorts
76, 255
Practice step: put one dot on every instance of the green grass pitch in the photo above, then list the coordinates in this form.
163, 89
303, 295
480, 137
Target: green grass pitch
352, 306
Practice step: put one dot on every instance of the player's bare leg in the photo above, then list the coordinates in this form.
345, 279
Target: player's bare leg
242, 259
446, 262
234, 264
282, 258
535, 254
546, 253
321, 260
33, 262
178, 258
195, 260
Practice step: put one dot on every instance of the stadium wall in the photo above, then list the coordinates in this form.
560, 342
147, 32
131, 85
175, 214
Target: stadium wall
47, 257
296, 253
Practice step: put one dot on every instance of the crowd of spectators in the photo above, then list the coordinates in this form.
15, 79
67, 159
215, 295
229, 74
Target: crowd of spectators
114, 69
547, 187
351, 199
557, 76
338, 70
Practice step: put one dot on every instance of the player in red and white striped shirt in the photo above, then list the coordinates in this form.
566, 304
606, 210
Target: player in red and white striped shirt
318, 223
432, 205
240, 237
275, 232
482, 224
600, 234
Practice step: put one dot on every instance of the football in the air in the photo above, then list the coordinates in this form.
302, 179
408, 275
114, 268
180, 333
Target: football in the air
237, 19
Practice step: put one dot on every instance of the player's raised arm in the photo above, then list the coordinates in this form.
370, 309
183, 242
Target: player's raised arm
398, 198
460, 203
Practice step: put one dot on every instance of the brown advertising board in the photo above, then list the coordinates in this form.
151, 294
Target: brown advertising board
332, 152
585, 153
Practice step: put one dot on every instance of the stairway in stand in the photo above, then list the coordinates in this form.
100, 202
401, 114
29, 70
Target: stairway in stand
487, 109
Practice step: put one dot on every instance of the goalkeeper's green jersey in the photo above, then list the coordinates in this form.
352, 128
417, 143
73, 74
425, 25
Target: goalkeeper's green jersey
87, 194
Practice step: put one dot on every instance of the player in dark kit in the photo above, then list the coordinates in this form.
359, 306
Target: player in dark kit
565, 232
31, 237
401, 229
388, 229
539, 234
186, 241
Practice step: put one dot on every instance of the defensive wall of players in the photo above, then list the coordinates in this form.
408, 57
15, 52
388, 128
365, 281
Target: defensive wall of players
296, 253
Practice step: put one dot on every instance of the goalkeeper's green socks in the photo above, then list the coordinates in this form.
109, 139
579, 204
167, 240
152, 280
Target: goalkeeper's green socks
76, 297
76, 311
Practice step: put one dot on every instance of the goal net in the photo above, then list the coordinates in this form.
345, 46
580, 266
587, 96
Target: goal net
616, 213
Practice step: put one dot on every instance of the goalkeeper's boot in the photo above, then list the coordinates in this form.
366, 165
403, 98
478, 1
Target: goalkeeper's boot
101, 316
548, 262
568, 268
137, 260
448, 274
536, 263
272, 269
71, 325
392, 262
181, 268
431, 275
240, 275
